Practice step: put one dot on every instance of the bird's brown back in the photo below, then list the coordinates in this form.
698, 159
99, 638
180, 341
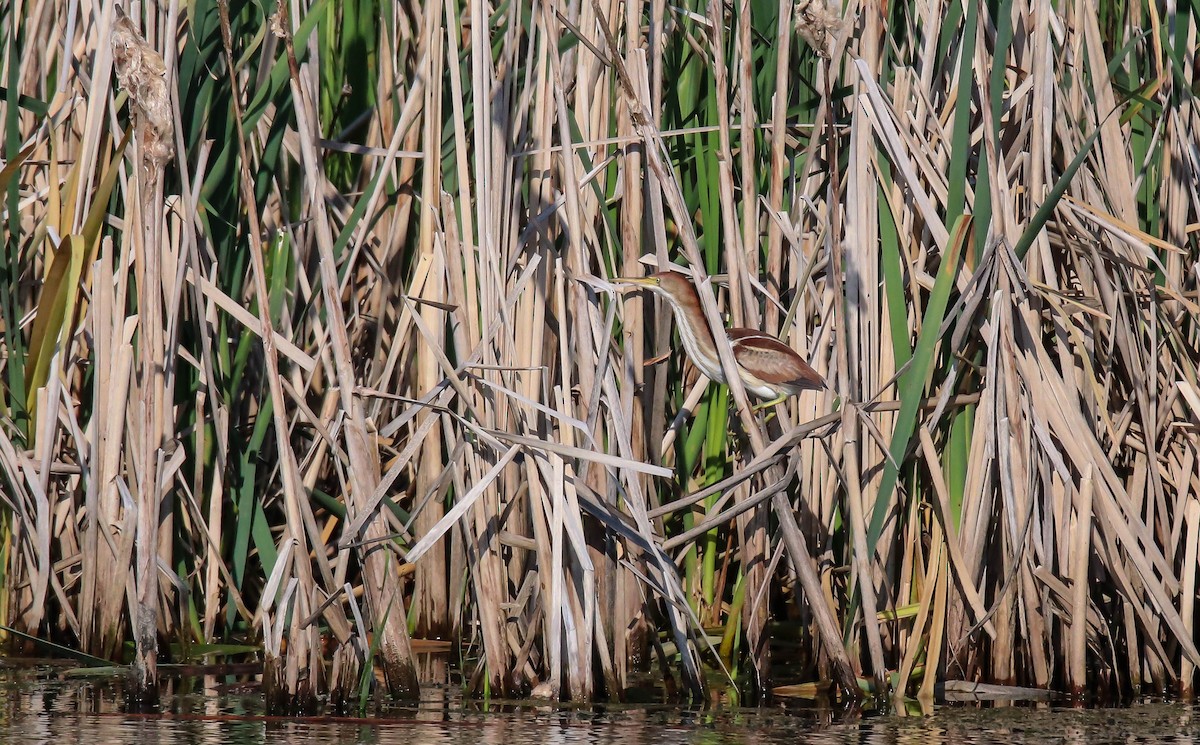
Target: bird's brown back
772, 361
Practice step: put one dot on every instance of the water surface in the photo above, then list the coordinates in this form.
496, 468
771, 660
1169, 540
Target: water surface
43, 708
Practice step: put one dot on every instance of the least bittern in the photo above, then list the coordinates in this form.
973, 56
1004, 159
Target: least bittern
768, 368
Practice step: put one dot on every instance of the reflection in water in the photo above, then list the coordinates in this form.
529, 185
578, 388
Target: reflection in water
56, 712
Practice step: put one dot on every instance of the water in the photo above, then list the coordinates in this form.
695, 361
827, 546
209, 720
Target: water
42, 708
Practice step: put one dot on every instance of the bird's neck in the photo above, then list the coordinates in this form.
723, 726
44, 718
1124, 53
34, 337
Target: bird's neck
696, 336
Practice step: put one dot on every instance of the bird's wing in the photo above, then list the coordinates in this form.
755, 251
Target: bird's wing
772, 361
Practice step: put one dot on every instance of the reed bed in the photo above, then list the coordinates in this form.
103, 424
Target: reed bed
307, 342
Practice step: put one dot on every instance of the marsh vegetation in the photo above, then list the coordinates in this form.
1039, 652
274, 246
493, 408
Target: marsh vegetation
306, 341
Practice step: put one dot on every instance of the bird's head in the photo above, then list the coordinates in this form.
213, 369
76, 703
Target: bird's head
673, 284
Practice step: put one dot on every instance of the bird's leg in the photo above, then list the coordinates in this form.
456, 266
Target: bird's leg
769, 405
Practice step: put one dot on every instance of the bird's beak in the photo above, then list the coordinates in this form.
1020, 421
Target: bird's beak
637, 282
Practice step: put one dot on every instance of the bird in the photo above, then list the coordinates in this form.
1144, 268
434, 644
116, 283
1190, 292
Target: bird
768, 368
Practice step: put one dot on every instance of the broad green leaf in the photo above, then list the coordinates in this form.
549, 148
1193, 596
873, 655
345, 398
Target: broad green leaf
913, 381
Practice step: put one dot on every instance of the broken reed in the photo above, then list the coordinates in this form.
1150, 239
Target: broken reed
393, 402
